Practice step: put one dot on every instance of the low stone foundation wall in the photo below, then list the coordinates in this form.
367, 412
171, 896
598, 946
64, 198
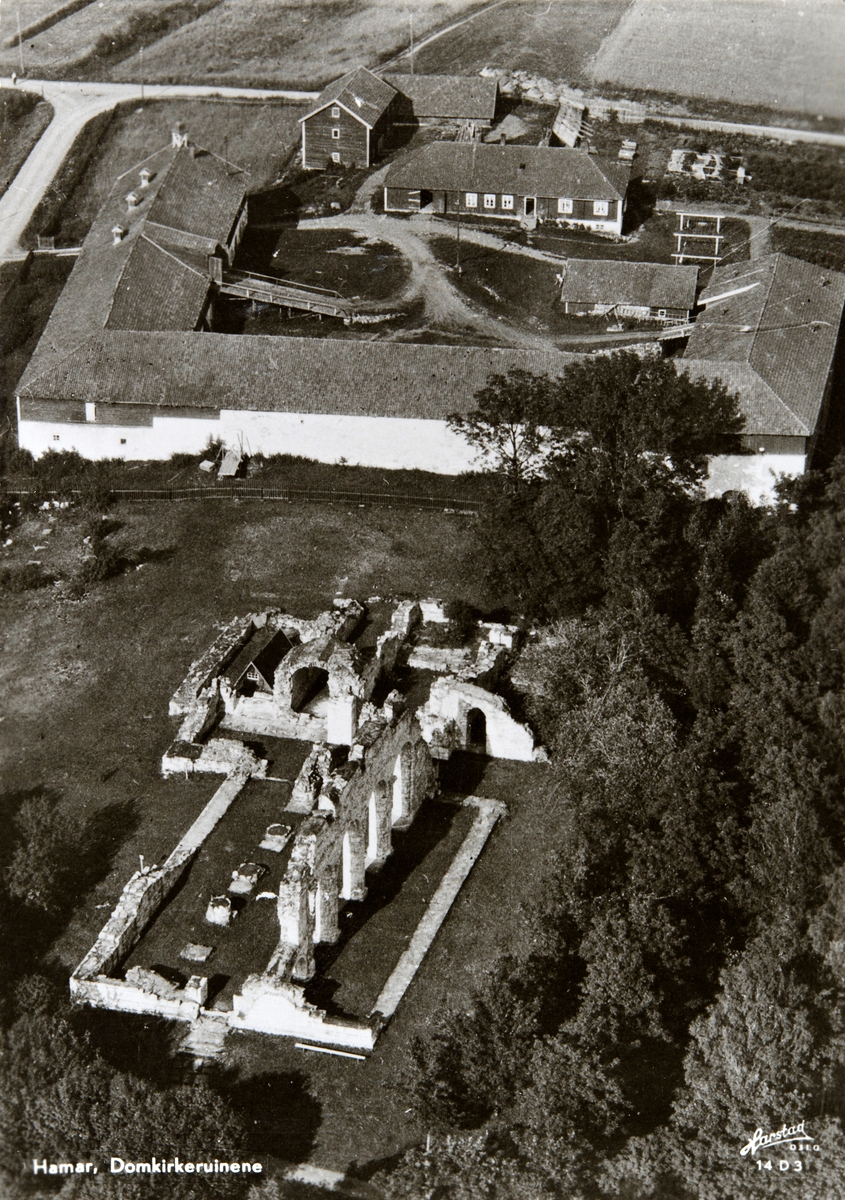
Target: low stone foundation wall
270, 1005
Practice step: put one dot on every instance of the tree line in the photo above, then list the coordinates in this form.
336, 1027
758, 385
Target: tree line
678, 981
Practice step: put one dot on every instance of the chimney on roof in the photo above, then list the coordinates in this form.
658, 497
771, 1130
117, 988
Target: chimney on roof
118, 234
145, 175
132, 201
193, 150
178, 136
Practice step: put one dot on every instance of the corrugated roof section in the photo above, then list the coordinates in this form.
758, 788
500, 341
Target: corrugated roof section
362, 92
521, 170
460, 97
610, 281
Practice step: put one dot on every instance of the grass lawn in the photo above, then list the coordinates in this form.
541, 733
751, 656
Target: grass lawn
257, 137
823, 249
23, 118
357, 267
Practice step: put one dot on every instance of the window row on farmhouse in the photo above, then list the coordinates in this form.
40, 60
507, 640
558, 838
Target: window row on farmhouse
526, 183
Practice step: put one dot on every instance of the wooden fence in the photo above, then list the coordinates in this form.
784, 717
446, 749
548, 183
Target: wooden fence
249, 491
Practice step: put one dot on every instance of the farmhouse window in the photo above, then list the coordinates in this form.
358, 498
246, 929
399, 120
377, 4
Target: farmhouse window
123, 441
335, 112
564, 206
661, 312
336, 133
472, 199
55, 437
599, 208
507, 202
489, 199
335, 156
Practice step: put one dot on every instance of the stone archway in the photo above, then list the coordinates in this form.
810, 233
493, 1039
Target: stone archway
403, 784
476, 731
306, 684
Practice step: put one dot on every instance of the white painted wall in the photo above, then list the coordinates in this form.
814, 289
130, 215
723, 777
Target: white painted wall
754, 474
389, 442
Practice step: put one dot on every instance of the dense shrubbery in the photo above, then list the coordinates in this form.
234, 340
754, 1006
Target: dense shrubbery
681, 978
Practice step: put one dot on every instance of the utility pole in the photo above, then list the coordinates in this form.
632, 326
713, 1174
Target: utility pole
458, 267
142, 72
20, 42
411, 49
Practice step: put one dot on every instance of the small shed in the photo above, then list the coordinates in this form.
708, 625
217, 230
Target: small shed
642, 290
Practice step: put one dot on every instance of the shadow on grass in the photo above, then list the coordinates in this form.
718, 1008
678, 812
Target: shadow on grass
411, 848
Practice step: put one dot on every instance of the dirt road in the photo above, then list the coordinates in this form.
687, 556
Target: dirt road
74, 104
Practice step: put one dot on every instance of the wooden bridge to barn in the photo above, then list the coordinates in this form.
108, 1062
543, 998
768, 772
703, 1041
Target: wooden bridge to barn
266, 289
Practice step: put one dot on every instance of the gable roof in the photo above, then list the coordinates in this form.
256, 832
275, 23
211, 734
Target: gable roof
465, 97
200, 196
361, 92
147, 280
212, 371
265, 650
778, 317
612, 281
159, 289
521, 170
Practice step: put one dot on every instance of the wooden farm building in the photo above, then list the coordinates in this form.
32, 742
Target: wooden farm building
444, 99
348, 121
351, 117
525, 183
642, 290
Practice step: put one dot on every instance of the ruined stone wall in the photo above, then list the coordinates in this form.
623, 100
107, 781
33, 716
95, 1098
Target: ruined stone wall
138, 901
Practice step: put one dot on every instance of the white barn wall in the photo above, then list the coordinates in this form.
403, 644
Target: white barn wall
390, 442
754, 474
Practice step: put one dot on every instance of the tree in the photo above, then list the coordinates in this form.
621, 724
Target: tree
506, 427
603, 464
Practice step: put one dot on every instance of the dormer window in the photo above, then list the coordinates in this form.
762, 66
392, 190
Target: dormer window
145, 175
118, 234
132, 200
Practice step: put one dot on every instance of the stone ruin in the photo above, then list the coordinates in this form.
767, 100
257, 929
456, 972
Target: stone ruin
372, 763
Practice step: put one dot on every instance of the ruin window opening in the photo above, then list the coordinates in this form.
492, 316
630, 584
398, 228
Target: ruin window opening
307, 686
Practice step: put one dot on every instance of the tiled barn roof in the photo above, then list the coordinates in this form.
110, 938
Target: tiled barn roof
519, 170
612, 281
777, 331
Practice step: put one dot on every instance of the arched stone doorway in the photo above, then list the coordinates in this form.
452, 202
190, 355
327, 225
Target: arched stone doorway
476, 739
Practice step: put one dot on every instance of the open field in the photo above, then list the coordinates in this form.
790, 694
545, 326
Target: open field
256, 137
91, 39
297, 44
784, 54
823, 249
555, 38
